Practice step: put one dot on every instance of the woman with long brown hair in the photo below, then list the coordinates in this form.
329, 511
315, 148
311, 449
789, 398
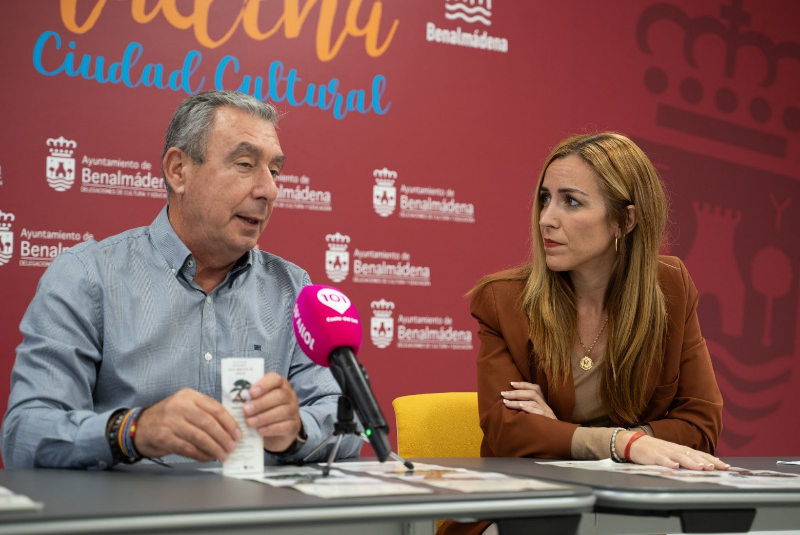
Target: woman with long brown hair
593, 349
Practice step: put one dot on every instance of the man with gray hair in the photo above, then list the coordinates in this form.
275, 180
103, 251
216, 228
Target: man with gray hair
121, 350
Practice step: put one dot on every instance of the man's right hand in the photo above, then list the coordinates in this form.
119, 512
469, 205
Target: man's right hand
187, 423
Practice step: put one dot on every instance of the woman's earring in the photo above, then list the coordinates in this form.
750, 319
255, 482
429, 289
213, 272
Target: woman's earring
616, 244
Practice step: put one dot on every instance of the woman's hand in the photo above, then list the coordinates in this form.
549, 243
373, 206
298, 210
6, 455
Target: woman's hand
650, 450
527, 397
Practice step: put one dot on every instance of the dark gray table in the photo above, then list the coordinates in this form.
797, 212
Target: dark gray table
639, 504
154, 499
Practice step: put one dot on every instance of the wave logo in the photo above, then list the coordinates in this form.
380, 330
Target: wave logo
6, 237
381, 327
337, 259
384, 194
470, 11
60, 163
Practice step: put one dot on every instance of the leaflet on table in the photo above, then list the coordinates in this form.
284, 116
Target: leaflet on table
445, 477
733, 477
336, 484
287, 476
238, 375
10, 502
390, 467
357, 487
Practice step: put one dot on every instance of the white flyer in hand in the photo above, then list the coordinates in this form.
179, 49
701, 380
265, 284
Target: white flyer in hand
238, 375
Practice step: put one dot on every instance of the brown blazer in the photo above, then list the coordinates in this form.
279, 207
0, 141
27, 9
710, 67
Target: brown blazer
685, 402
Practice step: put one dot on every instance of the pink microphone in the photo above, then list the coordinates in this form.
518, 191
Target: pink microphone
325, 319
328, 331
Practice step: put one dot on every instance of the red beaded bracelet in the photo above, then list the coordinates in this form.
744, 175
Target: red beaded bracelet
633, 439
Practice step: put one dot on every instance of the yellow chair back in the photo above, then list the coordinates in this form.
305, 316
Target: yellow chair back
438, 425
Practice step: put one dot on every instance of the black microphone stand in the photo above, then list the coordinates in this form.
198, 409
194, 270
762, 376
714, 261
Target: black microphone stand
346, 425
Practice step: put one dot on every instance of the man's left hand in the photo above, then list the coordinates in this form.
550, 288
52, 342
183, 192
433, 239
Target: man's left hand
273, 410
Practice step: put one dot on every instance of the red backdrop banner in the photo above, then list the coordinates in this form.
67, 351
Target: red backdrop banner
414, 132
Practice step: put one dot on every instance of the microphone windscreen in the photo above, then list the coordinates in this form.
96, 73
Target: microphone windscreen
324, 319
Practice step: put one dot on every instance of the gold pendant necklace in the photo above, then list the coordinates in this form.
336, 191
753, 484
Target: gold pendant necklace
586, 361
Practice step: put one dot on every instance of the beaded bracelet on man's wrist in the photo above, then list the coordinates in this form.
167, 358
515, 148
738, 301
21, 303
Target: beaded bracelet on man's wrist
119, 438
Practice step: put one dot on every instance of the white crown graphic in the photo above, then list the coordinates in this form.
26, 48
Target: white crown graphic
337, 242
385, 176
61, 147
382, 308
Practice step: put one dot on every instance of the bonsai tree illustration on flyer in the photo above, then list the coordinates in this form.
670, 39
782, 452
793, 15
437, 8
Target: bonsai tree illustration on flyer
238, 391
